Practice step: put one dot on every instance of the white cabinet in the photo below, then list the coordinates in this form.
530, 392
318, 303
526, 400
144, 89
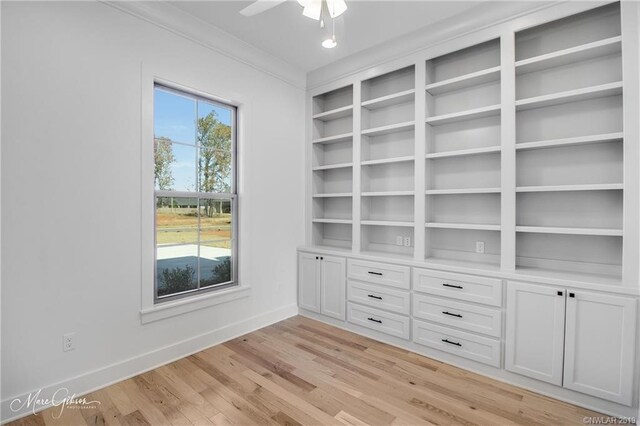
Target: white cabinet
535, 331
600, 345
580, 340
332, 286
321, 284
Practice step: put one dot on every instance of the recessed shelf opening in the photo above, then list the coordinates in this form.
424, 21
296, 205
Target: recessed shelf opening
388, 177
478, 171
333, 208
333, 100
388, 84
385, 239
391, 208
332, 235
460, 245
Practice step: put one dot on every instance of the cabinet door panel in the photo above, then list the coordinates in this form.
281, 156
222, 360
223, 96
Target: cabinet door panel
333, 289
309, 282
535, 331
600, 345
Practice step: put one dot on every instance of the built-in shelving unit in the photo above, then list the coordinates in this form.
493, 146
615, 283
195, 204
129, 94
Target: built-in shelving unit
332, 168
387, 163
463, 152
569, 167
566, 216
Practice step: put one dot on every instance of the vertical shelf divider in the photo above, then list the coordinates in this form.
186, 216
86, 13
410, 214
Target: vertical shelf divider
308, 176
508, 157
357, 167
631, 137
419, 215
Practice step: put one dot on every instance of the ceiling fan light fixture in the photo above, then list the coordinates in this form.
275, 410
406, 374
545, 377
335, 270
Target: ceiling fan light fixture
336, 7
313, 9
329, 43
303, 3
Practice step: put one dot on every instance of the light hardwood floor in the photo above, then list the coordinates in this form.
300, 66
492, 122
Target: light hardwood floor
301, 371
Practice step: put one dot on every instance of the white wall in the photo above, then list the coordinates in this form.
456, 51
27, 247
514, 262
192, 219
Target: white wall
71, 197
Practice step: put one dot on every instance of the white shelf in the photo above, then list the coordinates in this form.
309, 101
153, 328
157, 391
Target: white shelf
333, 166
607, 280
333, 195
471, 114
555, 188
386, 223
593, 92
580, 140
567, 56
388, 160
335, 139
463, 191
391, 128
464, 152
341, 221
570, 231
463, 81
469, 226
387, 193
345, 111
389, 100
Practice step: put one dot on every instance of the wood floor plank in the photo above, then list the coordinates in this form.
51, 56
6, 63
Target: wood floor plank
303, 372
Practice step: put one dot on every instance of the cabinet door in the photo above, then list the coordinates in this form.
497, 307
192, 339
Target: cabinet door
535, 331
309, 282
333, 289
600, 345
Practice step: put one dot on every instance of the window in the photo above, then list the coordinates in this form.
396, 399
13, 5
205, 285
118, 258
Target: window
195, 194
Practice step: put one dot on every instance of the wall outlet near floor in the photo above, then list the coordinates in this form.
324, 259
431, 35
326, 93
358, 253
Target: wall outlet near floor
399, 240
480, 247
407, 241
69, 342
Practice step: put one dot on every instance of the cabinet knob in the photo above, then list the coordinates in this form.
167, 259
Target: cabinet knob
572, 295
559, 293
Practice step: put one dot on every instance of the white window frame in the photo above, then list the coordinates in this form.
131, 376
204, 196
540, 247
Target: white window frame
200, 84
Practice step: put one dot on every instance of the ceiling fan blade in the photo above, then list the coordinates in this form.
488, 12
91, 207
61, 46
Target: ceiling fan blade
260, 6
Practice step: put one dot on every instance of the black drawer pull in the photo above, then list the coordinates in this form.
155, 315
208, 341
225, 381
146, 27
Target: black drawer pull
452, 315
453, 286
375, 320
375, 273
452, 343
374, 297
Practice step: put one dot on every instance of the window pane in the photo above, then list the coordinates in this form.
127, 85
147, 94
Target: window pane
176, 269
214, 170
175, 166
174, 117
215, 263
215, 220
176, 220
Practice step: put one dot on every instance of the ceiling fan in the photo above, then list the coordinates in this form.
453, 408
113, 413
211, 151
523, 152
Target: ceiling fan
312, 8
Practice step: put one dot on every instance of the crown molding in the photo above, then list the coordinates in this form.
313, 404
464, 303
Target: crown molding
475, 19
170, 18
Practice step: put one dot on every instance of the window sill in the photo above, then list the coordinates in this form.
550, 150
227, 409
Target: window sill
182, 306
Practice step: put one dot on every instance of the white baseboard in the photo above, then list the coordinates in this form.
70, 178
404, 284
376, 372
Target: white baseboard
105, 376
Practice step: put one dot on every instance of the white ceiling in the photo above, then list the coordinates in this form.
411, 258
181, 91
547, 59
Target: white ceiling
285, 33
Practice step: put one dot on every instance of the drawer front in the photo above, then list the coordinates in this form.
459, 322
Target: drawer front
379, 297
375, 319
466, 345
458, 286
478, 319
379, 273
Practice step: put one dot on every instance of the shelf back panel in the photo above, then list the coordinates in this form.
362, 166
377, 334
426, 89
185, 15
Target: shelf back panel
586, 164
593, 25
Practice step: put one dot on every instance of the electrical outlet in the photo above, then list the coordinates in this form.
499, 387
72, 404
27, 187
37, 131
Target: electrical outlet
407, 241
69, 342
399, 240
480, 247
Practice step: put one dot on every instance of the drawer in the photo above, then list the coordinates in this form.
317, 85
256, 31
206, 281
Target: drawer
478, 319
379, 297
458, 286
379, 273
375, 319
466, 345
